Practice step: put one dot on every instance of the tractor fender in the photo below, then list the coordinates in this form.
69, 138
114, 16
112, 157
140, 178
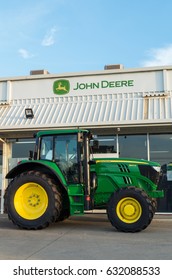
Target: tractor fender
41, 167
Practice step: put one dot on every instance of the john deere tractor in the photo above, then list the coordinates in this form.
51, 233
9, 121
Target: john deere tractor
60, 179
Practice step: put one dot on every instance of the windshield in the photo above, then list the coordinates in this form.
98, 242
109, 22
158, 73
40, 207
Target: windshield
63, 150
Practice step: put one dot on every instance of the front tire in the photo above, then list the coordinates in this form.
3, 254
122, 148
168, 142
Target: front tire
32, 200
130, 210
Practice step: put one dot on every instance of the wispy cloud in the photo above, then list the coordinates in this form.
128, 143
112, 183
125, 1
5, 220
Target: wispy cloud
159, 57
49, 38
25, 53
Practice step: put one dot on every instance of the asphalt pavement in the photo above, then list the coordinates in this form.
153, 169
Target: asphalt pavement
88, 237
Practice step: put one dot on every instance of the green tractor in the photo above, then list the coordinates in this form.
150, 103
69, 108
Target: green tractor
60, 179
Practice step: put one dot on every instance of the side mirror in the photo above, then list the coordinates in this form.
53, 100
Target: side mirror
30, 155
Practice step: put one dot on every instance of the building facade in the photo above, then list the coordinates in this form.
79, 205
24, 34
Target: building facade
128, 110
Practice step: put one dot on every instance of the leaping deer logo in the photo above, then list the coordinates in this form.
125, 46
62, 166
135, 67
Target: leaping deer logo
60, 86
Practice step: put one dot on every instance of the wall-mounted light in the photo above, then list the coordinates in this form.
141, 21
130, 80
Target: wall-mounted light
29, 113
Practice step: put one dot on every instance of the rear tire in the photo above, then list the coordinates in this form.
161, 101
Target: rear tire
130, 210
63, 215
32, 200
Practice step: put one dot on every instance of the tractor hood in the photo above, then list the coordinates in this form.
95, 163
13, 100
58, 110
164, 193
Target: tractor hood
128, 168
127, 161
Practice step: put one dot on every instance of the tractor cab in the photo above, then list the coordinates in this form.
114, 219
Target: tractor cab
69, 150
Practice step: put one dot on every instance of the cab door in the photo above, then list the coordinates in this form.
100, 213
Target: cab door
66, 156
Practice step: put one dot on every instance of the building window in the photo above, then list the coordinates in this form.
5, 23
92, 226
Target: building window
20, 150
161, 151
161, 148
133, 146
104, 146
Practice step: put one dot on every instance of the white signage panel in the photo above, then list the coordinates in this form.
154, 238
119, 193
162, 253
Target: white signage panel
129, 82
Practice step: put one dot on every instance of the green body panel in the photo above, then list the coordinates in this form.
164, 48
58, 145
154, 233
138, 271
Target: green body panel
76, 199
53, 166
113, 174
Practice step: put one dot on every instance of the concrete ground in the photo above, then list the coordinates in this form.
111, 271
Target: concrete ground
89, 237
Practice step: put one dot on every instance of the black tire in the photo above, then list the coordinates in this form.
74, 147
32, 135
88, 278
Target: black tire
154, 204
130, 210
32, 200
65, 210
63, 215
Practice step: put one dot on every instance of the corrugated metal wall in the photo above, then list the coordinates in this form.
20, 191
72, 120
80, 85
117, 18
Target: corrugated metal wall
88, 110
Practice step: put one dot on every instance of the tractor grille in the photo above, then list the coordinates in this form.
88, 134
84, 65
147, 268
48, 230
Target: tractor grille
149, 172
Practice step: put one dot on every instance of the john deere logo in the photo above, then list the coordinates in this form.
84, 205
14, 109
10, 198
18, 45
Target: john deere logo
61, 87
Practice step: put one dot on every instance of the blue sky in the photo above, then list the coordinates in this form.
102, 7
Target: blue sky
64, 36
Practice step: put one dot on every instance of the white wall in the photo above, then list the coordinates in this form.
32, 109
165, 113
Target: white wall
80, 84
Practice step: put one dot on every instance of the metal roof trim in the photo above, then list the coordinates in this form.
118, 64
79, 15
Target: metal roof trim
87, 73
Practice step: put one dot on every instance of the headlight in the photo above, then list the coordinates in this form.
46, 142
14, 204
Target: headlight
157, 168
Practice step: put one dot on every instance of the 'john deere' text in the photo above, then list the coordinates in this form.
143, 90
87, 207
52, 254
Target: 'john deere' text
104, 84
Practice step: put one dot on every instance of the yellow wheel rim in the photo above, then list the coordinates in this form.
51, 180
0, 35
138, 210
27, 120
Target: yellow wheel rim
31, 201
129, 210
